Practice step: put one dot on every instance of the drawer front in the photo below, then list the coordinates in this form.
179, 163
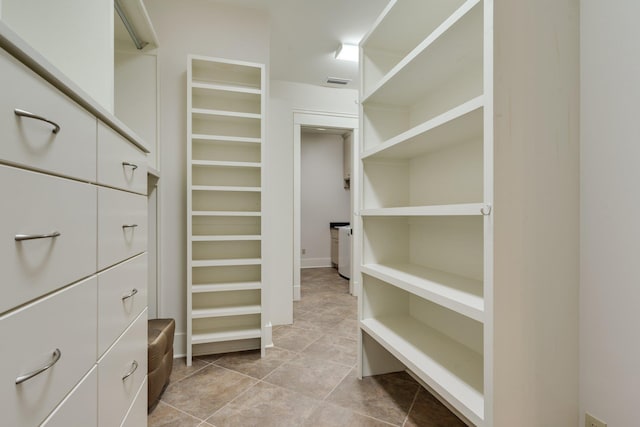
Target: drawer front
137, 415
122, 226
65, 320
120, 163
122, 295
80, 408
37, 204
28, 141
115, 394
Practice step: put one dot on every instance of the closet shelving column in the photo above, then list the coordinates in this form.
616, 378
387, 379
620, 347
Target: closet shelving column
423, 202
226, 128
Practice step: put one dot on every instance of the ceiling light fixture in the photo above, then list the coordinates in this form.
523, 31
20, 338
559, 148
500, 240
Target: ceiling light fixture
347, 52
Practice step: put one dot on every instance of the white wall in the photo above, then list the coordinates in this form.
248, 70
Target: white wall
285, 97
610, 208
81, 48
204, 28
323, 198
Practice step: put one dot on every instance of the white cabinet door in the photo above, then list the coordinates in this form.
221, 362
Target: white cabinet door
122, 226
120, 163
38, 204
121, 371
30, 141
65, 321
80, 408
122, 295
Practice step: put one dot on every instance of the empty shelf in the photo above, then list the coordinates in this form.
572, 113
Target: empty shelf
241, 310
460, 294
224, 287
226, 262
225, 335
434, 210
451, 369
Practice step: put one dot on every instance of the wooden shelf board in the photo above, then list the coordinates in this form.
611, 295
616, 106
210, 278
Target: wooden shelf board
453, 46
226, 262
460, 124
225, 287
432, 210
224, 138
225, 213
240, 310
226, 164
226, 87
225, 335
226, 238
225, 113
451, 369
225, 188
460, 294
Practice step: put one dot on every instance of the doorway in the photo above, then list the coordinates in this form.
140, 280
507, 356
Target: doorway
345, 123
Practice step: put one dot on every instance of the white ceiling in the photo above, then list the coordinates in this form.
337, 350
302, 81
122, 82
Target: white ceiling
305, 35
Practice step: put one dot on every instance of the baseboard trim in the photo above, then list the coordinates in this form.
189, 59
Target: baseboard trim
180, 345
297, 293
268, 335
315, 262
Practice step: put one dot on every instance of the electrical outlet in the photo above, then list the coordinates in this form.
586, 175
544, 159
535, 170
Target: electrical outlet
591, 421
304, 252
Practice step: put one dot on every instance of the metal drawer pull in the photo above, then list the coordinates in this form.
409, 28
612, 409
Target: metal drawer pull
130, 294
21, 237
133, 165
54, 360
130, 226
23, 113
134, 366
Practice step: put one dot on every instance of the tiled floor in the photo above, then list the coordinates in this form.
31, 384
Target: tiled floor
307, 379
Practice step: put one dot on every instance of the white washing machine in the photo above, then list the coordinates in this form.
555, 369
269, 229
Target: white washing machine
344, 251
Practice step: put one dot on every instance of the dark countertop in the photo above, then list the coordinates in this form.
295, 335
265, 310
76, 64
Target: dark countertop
338, 224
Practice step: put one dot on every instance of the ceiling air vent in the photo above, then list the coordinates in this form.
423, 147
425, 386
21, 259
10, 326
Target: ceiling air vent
337, 81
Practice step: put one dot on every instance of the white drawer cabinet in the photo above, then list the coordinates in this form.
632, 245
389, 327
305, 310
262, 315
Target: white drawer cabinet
122, 295
31, 142
39, 204
120, 164
137, 415
79, 193
122, 226
121, 371
65, 321
80, 407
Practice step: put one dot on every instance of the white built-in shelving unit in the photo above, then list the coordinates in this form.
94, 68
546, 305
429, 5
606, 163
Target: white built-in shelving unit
429, 302
226, 129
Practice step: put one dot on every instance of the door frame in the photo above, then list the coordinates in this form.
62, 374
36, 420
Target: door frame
325, 120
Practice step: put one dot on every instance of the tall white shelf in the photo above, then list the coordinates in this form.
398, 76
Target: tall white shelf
431, 303
225, 134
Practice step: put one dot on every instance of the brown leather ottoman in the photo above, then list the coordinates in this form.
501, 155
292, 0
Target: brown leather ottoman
160, 355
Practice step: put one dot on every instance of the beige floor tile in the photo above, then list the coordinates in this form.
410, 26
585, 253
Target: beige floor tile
165, 416
385, 397
265, 405
334, 349
305, 375
427, 411
252, 364
181, 370
206, 391
329, 415
304, 380
294, 339
347, 328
